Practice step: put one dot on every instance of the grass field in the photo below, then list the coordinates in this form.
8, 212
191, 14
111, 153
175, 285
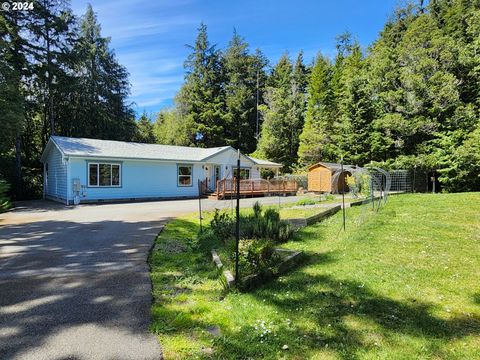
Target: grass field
400, 284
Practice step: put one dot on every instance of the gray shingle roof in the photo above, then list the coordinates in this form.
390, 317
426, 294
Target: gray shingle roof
265, 162
84, 147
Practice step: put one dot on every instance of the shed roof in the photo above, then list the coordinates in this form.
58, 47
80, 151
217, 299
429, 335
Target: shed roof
96, 148
333, 166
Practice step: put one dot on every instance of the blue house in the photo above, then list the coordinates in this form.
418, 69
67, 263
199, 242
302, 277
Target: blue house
89, 170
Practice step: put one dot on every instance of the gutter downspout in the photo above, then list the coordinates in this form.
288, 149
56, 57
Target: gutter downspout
44, 181
67, 163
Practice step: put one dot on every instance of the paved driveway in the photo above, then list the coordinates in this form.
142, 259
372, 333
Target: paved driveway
74, 281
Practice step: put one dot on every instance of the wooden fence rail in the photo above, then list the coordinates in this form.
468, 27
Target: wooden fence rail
255, 187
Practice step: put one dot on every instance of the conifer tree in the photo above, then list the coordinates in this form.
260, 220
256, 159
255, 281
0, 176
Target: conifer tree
243, 71
202, 95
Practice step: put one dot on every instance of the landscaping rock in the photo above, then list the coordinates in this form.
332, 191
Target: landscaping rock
229, 277
216, 259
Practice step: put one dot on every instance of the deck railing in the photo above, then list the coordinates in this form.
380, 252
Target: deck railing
253, 187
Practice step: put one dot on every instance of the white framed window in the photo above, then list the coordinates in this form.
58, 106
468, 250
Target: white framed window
104, 174
184, 175
244, 173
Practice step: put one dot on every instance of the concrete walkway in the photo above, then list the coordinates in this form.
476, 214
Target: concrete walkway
74, 281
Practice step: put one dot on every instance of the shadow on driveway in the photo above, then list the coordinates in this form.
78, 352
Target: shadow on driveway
76, 290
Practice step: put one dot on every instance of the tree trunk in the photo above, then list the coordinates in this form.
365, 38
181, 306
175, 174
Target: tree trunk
18, 188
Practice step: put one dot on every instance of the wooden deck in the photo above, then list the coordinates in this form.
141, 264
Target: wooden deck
227, 188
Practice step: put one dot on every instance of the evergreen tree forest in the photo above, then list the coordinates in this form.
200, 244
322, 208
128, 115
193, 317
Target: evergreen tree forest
409, 99
58, 76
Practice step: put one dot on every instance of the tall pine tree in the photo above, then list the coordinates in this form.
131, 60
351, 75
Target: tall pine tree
202, 94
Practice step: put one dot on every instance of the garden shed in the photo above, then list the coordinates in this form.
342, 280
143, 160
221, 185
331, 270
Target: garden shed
326, 177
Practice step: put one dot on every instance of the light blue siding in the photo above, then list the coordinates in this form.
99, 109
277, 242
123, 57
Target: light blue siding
56, 182
139, 179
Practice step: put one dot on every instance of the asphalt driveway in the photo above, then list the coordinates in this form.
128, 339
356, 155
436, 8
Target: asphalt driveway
74, 281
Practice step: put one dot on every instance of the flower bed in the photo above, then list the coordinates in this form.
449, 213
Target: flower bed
260, 234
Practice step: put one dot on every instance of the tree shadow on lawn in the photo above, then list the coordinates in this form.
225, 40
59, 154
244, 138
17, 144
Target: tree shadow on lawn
331, 305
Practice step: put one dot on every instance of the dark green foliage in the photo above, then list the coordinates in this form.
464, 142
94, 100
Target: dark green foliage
222, 225
283, 112
258, 225
208, 240
412, 99
242, 70
201, 97
4, 198
256, 256
57, 76
145, 131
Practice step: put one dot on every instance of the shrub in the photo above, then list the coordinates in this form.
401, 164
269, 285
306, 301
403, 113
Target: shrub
260, 225
256, 256
329, 197
265, 225
208, 240
5, 203
306, 201
222, 225
257, 210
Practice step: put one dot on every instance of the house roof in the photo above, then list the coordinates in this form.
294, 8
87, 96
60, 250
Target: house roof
96, 148
265, 163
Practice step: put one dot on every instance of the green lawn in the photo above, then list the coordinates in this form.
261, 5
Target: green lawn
400, 284
296, 213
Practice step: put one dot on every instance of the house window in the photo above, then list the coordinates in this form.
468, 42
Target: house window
184, 175
244, 173
46, 171
103, 174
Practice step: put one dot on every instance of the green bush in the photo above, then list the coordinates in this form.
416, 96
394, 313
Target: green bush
222, 225
208, 240
265, 225
329, 197
5, 203
259, 232
306, 201
255, 256
260, 225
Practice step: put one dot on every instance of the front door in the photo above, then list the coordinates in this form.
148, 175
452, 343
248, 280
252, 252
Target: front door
216, 176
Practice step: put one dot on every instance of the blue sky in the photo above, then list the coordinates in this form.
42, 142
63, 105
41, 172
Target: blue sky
149, 36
